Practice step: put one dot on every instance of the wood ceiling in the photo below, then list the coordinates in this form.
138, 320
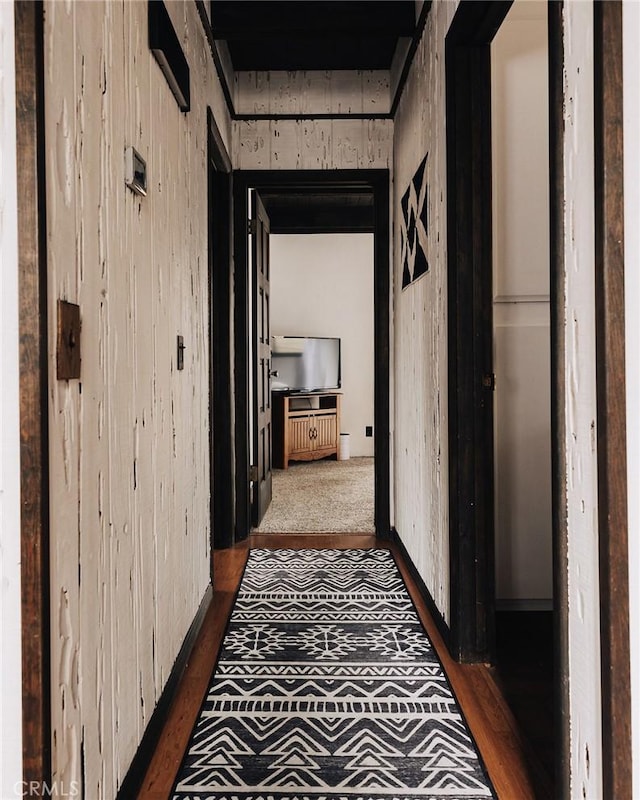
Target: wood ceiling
312, 34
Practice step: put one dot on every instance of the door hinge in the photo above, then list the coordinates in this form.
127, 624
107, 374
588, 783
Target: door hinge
489, 381
252, 227
253, 472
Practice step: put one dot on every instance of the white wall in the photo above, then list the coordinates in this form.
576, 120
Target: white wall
579, 422
522, 401
322, 285
312, 144
10, 630
129, 444
631, 75
421, 482
312, 92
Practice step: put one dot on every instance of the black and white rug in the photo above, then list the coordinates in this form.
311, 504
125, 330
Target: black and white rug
328, 687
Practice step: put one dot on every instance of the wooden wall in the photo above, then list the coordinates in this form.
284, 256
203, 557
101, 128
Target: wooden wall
129, 440
312, 144
420, 323
312, 92
579, 423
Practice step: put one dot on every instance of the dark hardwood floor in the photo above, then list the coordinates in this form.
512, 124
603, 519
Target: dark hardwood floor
524, 671
503, 748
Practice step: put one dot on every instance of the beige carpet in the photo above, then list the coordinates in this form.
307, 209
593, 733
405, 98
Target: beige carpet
322, 496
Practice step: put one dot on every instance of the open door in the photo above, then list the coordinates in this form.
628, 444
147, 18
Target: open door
262, 362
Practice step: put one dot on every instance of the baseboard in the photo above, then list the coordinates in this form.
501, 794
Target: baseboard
441, 625
132, 782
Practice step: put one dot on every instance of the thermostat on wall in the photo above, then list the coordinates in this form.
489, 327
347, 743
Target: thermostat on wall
135, 171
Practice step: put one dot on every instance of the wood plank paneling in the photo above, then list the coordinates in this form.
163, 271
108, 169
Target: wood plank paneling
578, 426
303, 92
421, 482
129, 443
312, 144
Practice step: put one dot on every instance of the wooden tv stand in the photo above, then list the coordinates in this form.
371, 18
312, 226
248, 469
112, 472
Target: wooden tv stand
305, 426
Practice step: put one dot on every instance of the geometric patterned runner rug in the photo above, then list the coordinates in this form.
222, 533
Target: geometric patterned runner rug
327, 687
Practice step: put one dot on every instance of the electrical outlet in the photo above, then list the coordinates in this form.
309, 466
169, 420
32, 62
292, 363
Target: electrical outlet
368, 431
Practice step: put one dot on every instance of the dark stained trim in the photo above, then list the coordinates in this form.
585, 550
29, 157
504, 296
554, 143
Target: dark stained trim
281, 180
303, 117
204, 18
470, 277
406, 69
334, 225
34, 453
611, 406
241, 355
134, 778
381, 338
218, 151
557, 235
220, 338
167, 50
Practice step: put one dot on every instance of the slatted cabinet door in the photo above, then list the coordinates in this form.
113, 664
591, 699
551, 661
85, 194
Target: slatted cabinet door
300, 438
324, 436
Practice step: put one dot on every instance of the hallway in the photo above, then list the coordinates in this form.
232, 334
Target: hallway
505, 753
138, 141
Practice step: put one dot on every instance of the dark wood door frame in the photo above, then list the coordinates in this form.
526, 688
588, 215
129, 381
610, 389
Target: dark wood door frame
558, 398
220, 338
470, 332
470, 267
282, 180
611, 408
34, 448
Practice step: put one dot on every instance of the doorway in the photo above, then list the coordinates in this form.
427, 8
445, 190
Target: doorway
500, 303
282, 183
321, 302
522, 395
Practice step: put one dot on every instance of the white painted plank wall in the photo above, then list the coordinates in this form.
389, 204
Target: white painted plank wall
129, 443
631, 58
10, 617
312, 144
420, 322
580, 409
313, 92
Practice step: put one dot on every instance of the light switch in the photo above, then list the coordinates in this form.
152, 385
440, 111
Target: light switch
181, 349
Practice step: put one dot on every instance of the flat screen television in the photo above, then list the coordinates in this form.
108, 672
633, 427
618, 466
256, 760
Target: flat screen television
305, 363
